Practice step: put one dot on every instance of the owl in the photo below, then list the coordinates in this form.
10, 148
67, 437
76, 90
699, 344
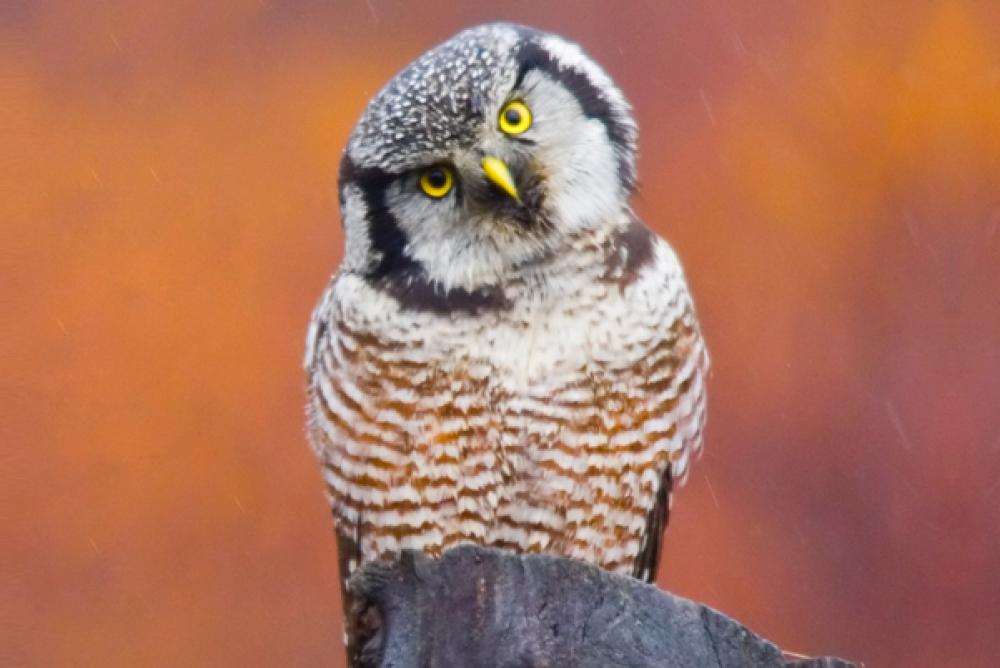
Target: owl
506, 355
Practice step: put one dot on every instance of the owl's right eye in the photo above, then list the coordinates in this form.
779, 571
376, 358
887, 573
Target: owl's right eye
437, 181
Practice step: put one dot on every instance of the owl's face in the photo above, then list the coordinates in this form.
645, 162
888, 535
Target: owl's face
481, 157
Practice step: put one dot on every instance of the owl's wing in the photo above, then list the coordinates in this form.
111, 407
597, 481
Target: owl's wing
679, 364
349, 537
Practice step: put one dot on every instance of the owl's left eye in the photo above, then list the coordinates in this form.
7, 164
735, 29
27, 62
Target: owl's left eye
515, 118
437, 181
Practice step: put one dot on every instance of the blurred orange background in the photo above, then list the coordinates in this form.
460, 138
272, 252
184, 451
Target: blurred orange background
828, 171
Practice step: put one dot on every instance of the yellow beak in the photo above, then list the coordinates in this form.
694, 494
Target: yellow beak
496, 171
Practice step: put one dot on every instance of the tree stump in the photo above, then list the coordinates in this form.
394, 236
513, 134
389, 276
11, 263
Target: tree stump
484, 607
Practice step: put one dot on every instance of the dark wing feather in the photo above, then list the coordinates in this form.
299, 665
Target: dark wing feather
348, 553
648, 558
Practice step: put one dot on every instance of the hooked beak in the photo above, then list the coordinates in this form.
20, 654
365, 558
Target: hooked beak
498, 173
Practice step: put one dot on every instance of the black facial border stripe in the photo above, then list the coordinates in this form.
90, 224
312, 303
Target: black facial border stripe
387, 238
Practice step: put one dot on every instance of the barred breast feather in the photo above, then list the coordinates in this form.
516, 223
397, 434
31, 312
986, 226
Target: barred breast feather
552, 422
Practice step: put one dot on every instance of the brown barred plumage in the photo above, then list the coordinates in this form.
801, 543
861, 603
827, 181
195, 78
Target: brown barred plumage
427, 442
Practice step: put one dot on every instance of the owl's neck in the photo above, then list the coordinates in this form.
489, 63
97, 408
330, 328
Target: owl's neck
472, 282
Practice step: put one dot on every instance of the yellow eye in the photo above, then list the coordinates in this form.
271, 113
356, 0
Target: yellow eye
437, 181
515, 118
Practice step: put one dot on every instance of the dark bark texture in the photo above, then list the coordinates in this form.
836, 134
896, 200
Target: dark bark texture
485, 607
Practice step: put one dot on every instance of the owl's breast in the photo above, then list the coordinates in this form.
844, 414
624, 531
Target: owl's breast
546, 427
600, 397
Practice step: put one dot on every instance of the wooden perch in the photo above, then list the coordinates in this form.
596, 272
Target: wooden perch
484, 607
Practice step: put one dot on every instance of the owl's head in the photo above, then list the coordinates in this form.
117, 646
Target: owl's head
481, 157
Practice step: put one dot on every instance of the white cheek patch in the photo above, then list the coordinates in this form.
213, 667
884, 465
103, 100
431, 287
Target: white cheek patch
429, 224
576, 154
452, 249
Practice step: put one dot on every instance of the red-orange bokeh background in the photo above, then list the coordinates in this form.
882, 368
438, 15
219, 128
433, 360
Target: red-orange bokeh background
829, 172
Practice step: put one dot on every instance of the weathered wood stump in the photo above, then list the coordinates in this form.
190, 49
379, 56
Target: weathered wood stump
485, 607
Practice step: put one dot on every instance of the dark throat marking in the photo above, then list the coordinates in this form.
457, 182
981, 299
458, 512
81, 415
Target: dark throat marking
397, 274
631, 250
532, 56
